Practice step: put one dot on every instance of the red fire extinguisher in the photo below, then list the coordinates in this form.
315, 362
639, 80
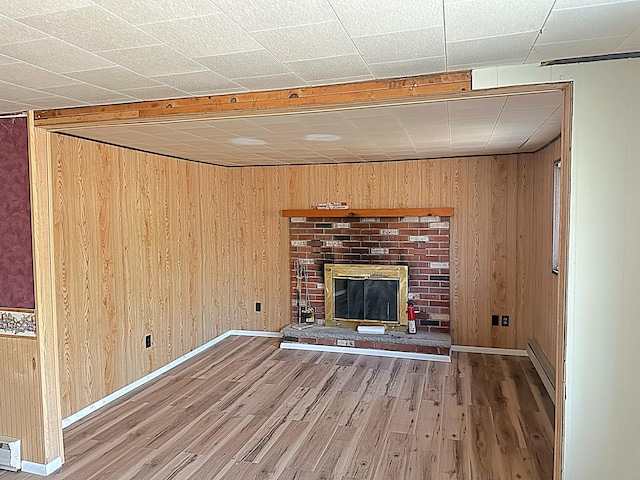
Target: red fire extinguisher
411, 317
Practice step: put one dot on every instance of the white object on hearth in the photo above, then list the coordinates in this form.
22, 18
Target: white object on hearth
372, 329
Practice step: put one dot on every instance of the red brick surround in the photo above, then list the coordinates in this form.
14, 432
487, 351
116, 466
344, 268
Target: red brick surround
421, 243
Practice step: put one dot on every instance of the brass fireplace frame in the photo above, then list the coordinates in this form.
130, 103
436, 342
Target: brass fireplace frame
364, 271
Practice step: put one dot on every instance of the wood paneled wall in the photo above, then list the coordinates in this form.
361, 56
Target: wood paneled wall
141, 247
20, 398
483, 191
152, 245
537, 299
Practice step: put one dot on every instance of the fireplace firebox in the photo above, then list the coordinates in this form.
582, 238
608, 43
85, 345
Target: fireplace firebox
357, 294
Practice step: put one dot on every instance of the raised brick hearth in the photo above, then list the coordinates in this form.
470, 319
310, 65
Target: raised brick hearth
421, 243
430, 343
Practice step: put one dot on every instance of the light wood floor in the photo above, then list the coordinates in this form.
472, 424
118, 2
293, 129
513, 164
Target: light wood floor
245, 409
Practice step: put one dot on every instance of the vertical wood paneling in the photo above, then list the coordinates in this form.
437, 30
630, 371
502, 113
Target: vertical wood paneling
192, 247
20, 395
41, 178
141, 248
499, 245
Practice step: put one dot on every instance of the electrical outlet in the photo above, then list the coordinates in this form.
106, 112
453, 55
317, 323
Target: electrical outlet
147, 341
258, 307
495, 320
505, 320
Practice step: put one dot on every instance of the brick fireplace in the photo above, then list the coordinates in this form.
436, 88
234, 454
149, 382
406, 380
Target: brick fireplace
420, 243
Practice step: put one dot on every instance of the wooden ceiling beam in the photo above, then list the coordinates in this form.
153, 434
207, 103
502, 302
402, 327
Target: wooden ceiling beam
293, 99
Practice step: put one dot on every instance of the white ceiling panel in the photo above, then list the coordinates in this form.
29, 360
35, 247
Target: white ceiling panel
571, 24
39, 7
55, 55
254, 15
196, 81
330, 67
113, 77
200, 36
366, 18
153, 93
253, 63
388, 47
494, 49
474, 19
271, 82
88, 93
415, 66
80, 26
30, 76
153, 60
319, 40
12, 31
139, 12
549, 51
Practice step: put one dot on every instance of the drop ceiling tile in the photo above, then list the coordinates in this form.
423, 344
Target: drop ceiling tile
88, 93
253, 63
54, 55
153, 93
150, 11
269, 14
196, 81
631, 43
476, 108
362, 18
214, 34
475, 19
153, 60
600, 21
91, 28
54, 101
271, 82
13, 107
405, 68
33, 77
493, 49
16, 93
390, 47
580, 48
12, 31
304, 42
549, 100
4, 60
113, 78
333, 81
330, 67
39, 7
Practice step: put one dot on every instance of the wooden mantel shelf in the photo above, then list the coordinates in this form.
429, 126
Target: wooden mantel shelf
372, 212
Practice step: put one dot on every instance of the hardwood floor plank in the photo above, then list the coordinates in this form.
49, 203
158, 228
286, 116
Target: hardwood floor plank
244, 409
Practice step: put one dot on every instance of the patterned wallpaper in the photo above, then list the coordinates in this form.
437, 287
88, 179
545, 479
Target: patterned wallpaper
16, 259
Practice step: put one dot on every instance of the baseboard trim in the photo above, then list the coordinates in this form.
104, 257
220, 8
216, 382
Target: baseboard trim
543, 367
365, 351
132, 386
489, 350
40, 468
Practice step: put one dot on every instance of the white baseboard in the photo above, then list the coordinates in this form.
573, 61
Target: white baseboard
132, 386
365, 351
41, 469
489, 350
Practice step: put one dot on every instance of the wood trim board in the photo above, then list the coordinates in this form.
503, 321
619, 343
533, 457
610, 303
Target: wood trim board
371, 212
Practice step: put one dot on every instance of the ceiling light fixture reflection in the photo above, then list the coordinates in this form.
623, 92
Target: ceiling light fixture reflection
244, 141
322, 137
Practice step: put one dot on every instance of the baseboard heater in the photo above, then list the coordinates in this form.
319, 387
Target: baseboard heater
543, 366
9, 454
